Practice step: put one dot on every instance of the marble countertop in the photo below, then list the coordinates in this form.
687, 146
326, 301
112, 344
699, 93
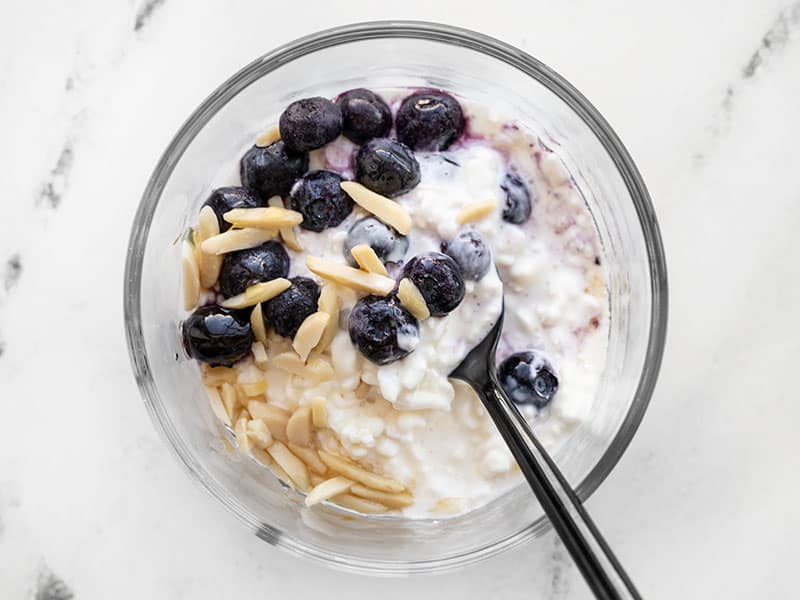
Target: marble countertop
705, 94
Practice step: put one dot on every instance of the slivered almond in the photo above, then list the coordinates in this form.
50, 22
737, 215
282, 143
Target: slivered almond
257, 324
254, 388
242, 440
319, 412
310, 457
294, 467
269, 217
359, 504
476, 211
388, 211
315, 479
316, 369
367, 259
257, 293
298, 429
230, 401
309, 334
266, 460
288, 234
208, 264
237, 239
354, 278
214, 376
410, 297
191, 277
359, 474
329, 303
275, 418
399, 500
217, 407
259, 433
260, 354
328, 489
269, 137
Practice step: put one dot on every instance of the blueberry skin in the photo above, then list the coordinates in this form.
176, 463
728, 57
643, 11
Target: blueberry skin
318, 196
439, 280
470, 253
272, 170
224, 199
528, 378
217, 336
389, 245
244, 268
365, 115
310, 123
287, 311
382, 329
429, 120
517, 209
387, 167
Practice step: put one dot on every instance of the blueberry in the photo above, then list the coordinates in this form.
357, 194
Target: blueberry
387, 167
364, 115
382, 329
429, 120
321, 200
310, 123
224, 199
528, 378
289, 309
389, 245
470, 253
272, 170
438, 279
517, 209
217, 336
246, 267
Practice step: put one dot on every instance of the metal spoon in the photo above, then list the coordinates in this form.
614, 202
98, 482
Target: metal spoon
588, 549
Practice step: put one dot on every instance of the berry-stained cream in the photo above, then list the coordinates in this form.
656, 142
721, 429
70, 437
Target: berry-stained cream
370, 248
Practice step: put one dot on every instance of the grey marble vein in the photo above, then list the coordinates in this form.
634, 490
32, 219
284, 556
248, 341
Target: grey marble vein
146, 13
51, 587
13, 272
53, 188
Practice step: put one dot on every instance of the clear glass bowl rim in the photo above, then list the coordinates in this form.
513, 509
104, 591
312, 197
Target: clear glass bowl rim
425, 31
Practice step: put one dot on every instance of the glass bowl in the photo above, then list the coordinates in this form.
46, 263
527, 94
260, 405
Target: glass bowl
393, 54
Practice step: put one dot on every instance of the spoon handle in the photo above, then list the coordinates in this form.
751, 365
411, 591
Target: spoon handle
591, 554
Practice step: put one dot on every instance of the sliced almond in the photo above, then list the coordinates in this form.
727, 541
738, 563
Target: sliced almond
269, 137
217, 407
260, 353
388, 211
266, 460
259, 433
359, 504
275, 418
329, 303
357, 279
288, 234
450, 505
209, 264
298, 429
359, 474
319, 412
254, 388
230, 401
257, 324
214, 376
316, 369
315, 479
310, 457
309, 334
257, 293
294, 467
191, 277
268, 217
242, 440
399, 500
366, 258
476, 211
328, 489
410, 297
237, 239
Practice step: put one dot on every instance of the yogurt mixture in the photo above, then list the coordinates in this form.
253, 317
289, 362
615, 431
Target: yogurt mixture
296, 372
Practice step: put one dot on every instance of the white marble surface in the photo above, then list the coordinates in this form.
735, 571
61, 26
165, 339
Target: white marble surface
704, 93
